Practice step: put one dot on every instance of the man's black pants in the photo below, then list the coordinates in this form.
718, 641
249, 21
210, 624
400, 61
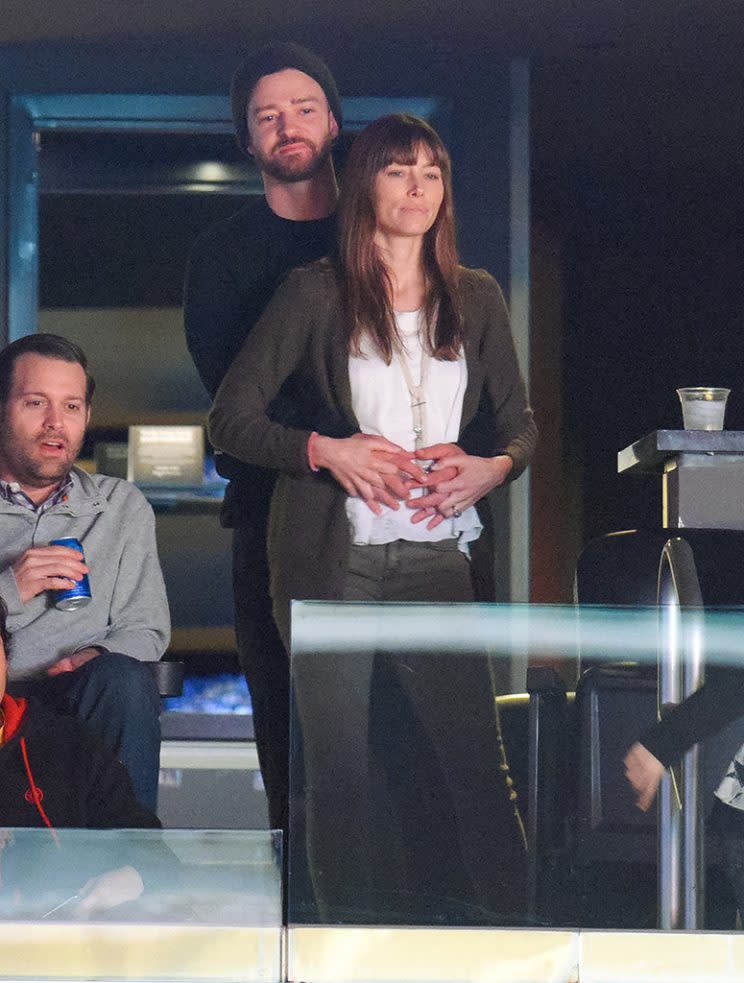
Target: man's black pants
265, 664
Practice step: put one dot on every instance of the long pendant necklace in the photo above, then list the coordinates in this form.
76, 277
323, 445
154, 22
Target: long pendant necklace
417, 392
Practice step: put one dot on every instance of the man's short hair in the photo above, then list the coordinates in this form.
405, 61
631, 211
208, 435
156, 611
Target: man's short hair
48, 346
271, 58
4, 622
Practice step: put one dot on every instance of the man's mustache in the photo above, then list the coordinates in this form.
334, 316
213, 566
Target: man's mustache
288, 141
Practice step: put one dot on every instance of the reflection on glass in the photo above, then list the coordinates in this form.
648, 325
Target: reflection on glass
420, 795
405, 811
214, 895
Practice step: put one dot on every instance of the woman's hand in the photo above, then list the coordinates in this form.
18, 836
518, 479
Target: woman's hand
474, 477
368, 467
644, 771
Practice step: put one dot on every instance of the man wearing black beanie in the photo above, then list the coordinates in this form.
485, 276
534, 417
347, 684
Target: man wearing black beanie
270, 60
287, 112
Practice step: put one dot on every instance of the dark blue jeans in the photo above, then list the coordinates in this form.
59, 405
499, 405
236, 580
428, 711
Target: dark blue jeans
118, 699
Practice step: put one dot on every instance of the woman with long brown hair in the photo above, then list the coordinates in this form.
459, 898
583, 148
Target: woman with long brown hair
406, 348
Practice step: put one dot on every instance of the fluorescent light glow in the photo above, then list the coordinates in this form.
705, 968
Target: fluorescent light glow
211, 170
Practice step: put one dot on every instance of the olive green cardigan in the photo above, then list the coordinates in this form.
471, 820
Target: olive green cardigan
301, 334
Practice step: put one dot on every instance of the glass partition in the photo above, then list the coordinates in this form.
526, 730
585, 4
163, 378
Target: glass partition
423, 796
400, 776
140, 905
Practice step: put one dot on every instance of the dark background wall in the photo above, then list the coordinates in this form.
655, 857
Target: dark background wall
655, 303
638, 277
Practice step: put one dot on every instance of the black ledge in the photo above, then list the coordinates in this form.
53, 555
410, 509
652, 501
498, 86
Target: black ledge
648, 454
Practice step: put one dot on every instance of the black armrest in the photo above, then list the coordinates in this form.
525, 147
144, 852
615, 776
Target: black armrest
168, 677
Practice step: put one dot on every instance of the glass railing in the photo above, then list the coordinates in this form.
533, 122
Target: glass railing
140, 905
445, 823
402, 808
424, 795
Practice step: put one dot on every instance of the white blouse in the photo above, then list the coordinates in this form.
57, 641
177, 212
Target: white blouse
381, 401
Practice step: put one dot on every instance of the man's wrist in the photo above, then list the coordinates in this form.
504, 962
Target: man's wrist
320, 451
97, 649
311, 459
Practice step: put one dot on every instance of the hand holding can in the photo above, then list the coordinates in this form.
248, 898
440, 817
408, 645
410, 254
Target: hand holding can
73, 597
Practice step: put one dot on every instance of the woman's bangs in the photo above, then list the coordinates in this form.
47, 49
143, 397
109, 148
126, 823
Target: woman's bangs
436, 155
402, 152
407, 149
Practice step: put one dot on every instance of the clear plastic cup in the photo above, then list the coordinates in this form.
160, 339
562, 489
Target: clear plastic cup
703, 408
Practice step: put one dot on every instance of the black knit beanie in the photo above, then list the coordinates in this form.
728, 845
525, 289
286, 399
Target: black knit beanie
275, 57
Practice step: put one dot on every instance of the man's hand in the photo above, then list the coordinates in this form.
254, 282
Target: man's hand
398, 485
434, 455
362, 465
108, 890
47, 568
644, 772
474, 478
72, 662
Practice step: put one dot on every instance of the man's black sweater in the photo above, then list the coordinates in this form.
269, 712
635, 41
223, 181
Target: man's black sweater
233, 270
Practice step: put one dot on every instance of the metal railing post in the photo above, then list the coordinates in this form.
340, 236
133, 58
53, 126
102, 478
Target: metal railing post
681, 672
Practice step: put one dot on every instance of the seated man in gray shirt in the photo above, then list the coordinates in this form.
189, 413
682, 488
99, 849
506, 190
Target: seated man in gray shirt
87, 662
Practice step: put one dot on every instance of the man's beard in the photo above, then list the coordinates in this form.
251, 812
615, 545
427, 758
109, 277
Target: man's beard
292, 171
32, 471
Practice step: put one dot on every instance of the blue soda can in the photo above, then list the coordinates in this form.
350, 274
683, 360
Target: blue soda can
79, 595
